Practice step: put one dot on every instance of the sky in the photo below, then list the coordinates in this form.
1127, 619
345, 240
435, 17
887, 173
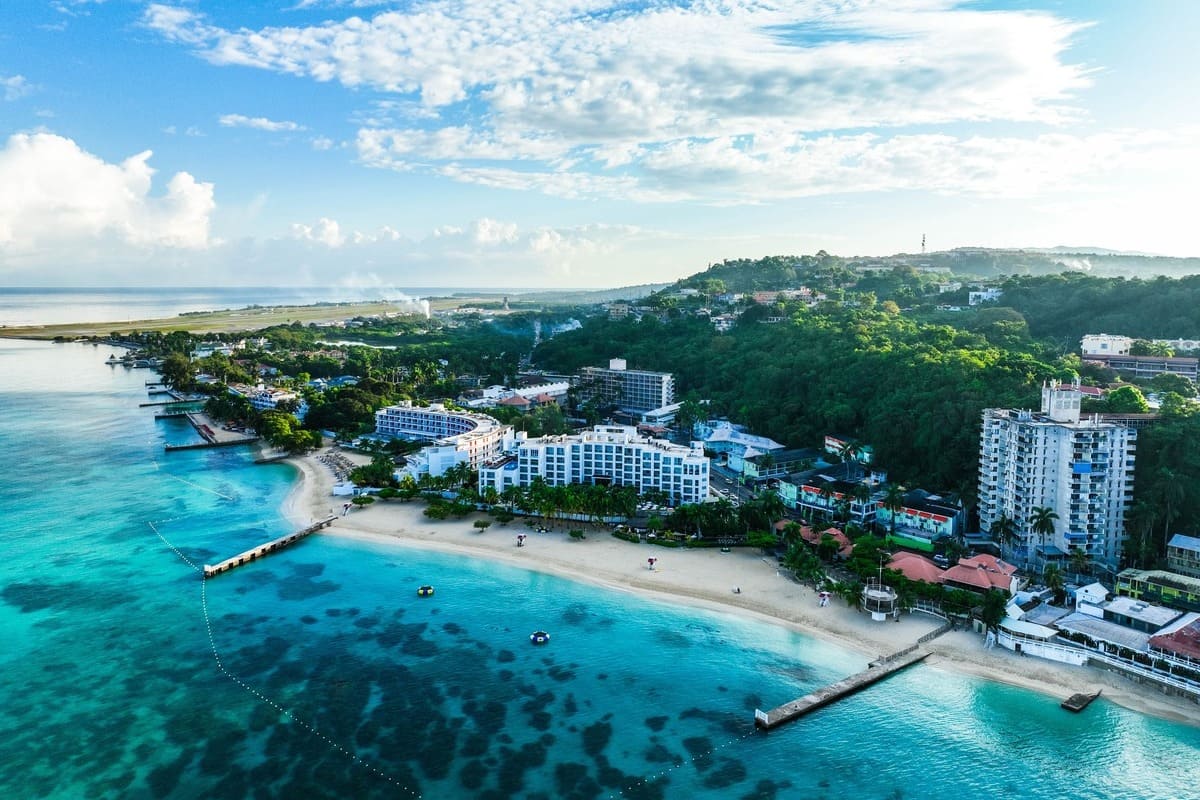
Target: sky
580, 143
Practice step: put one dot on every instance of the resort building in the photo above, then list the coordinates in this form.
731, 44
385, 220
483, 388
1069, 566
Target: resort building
847, 491
982, 573
984, 296
1179, 643
608, 454
847, 447
536, 394
630, 390
1103, 344
264, 398
922, 520
1159, 586
1183, 555
457, 436
731, 443
1149, 366
1081, 469
780, 463
661, 416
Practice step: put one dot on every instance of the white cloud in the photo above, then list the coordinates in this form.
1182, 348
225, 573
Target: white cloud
14, 87
55, 198
258, 123
479, 247
326, 232
322, 143
611, 97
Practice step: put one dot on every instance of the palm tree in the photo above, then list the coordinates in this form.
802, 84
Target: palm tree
1080, 562
1053, 578
1156, 348
1171, 494
1139, 524
1041, 522
1004, 532
850, 451
965, 495
826, 490
861, 494
770, 504
893, 501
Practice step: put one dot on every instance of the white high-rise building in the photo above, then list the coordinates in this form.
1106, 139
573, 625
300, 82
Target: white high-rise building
608, 454
632, 390
1082, 469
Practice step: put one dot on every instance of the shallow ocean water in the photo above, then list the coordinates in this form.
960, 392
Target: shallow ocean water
326, 676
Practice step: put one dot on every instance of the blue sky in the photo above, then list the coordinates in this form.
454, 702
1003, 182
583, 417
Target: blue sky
579, 142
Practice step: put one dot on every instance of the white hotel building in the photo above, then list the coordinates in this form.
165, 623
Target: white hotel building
607, 454
1080, 468
457, 436
633, 390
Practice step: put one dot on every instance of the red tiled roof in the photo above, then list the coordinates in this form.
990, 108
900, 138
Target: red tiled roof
989, 563
978, 577
1184, 642
515, 400
845, 546
916, 568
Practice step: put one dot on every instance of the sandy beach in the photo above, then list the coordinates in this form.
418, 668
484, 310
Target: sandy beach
708, 578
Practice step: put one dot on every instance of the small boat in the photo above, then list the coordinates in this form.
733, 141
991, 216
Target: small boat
539, 637
425, 591
1078, 702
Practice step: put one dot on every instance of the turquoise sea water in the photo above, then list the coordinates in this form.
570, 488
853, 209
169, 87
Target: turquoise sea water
325, 675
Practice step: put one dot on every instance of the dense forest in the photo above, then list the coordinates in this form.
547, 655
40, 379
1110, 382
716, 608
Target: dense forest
914, 391
786, 271
1063, 307
913, 384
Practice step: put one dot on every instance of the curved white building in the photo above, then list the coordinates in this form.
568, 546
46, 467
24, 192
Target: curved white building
457, 436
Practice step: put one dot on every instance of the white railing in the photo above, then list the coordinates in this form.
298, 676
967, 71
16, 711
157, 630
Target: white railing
1120, 663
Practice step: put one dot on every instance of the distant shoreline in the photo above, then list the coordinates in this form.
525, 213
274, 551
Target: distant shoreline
706, 579
249, 318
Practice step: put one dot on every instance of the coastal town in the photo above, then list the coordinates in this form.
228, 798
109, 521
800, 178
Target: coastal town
1032, 559
605, 400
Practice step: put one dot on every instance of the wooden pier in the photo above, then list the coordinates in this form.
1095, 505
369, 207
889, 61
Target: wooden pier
264, 549
836, 691
171, 414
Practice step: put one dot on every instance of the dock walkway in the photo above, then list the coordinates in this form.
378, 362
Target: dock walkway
263, 549
877, 671
213, 437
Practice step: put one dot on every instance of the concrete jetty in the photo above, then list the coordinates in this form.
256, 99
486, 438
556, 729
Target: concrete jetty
213, 437
877, 671
255, 553
170, 403
1078, 702
171, 448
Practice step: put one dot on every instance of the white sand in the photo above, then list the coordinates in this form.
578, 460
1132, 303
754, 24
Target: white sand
707, 578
